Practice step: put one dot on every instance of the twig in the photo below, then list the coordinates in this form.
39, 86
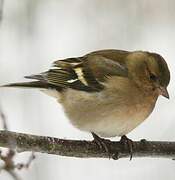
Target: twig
8, 159
14, 175
27, 164
1, 9
85, 149
3, 119
9, 165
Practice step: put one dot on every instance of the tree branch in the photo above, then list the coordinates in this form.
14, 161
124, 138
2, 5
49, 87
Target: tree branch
84, 149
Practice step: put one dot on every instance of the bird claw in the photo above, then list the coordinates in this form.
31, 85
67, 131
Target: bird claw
102, 143
129, 143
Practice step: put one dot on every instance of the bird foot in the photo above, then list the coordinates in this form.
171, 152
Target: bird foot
102, 143
129, 143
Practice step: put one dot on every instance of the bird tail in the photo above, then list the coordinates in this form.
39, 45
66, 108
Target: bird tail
32, 84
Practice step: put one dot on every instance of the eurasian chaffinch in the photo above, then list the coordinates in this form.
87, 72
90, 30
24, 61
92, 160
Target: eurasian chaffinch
107, 92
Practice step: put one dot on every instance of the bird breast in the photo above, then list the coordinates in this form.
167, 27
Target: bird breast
114, 111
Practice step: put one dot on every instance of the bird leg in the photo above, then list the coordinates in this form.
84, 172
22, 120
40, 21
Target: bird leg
102, 143
129, 143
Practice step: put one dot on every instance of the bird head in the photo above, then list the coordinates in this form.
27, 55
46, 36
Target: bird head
150, 72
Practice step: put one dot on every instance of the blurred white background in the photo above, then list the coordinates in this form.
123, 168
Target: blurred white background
33, 33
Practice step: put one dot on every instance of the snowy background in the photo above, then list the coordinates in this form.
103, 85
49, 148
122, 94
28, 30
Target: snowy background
33, 33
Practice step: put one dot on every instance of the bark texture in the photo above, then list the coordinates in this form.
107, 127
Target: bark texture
84, 149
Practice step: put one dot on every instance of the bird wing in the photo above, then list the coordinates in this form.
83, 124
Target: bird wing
87, 73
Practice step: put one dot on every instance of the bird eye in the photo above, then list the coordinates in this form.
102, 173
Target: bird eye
153, 77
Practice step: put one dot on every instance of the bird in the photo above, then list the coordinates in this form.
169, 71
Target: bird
106, 92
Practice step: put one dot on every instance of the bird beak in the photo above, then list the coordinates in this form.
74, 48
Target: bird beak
164, 92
